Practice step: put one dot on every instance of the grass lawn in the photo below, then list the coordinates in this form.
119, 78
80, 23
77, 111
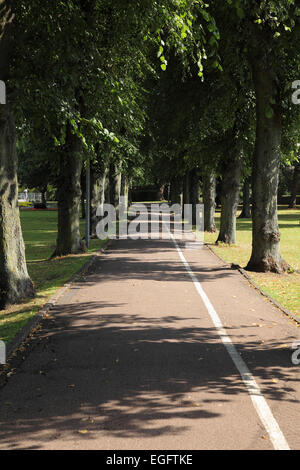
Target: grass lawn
39, 232
285, 288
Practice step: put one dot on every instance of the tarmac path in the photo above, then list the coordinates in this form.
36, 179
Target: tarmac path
147, 352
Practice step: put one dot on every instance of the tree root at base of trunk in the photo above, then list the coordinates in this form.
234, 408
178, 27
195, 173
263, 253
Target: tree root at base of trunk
268, 265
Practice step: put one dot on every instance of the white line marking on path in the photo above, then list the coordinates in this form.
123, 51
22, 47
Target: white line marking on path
262, 408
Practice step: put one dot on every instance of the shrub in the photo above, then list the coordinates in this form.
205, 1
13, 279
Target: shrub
24, 204
39, 205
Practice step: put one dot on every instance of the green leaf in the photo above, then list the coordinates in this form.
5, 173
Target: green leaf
160, 51
240, 12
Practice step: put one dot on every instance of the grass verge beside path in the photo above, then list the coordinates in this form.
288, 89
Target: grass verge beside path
39, 232
284, 288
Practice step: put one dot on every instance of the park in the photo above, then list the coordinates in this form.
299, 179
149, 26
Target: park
149, 227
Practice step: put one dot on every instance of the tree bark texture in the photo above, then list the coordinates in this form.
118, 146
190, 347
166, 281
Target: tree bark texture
230, 194
246, 210
266, 254
295, 186
98, 184
209, 200
15, 282
69, 195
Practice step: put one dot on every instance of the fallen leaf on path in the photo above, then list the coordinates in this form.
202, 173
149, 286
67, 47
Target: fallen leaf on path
83, 431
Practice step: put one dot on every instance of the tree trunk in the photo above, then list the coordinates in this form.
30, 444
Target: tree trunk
129, 192
186, 188
265, 232
44, 196
115, 179
98, 183
176, 190
69, 195
209, 201
124, 186
82, 197
230, 194
295, 187
246, 211
160, 192
15, 282
185, 192
194, 187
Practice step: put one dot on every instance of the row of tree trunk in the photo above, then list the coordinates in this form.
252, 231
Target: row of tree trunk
186, 190
15, 282
106, 186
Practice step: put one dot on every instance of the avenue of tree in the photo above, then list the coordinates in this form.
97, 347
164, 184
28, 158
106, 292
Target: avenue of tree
172, 91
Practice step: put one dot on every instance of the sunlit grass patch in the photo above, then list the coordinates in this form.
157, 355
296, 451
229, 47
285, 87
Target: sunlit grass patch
39, 232
285, 288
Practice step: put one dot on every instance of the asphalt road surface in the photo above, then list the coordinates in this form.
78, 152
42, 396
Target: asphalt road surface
160, 346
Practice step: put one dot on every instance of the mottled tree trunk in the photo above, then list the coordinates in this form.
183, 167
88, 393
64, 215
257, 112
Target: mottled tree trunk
83, 184
246, 211
266, 254
295, 186
194, 187
185, 192
209, 200
15, 283
98, 184
230, 194
69, 195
